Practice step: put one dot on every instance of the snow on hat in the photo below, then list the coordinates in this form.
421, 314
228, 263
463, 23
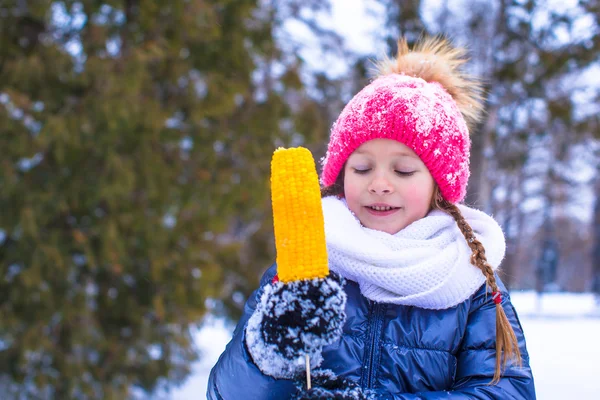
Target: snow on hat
422, 100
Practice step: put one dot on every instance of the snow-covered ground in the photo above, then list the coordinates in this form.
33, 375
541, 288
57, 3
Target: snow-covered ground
563, 339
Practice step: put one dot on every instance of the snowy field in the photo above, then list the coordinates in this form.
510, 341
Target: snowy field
563, 339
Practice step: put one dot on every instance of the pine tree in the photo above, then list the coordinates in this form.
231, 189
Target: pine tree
136, 141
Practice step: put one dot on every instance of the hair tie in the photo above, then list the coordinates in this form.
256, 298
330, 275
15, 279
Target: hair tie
497, 297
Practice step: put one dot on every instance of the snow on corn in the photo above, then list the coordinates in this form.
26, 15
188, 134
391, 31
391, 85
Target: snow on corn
297, 216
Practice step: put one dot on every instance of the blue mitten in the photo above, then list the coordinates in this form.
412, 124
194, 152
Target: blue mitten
293, 320
325, 385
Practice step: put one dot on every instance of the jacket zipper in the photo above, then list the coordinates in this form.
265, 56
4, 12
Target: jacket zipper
375, 332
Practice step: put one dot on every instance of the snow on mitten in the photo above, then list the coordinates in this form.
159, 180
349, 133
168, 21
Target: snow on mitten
295, 319
326, 385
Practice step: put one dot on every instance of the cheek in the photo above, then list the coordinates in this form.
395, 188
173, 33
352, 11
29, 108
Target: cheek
352, 194
420, 198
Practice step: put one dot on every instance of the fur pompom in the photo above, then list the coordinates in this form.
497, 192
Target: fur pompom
436, 60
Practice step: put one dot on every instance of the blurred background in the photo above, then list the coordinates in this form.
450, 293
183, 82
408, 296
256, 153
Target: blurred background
136, 139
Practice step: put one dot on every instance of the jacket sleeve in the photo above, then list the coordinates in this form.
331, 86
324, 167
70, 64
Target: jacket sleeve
235, 376
477, 357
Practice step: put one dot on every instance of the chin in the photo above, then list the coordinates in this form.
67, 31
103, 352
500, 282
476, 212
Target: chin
393, 231
390, 230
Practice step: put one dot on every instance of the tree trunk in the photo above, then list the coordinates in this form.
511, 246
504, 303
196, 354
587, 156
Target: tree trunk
596, 245
479, 189
512, 229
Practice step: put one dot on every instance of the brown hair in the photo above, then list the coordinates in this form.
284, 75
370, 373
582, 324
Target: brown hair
507, 345
337, 189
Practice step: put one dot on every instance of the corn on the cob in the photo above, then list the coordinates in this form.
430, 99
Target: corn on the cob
297, 216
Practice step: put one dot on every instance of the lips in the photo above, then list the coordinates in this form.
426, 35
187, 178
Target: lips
381, 209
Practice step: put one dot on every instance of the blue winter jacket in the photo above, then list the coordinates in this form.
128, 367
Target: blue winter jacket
401, 352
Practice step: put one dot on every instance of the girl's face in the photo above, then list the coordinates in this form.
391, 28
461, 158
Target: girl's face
387, 186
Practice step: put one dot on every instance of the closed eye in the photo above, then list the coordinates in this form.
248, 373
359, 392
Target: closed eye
405, 173
361, 171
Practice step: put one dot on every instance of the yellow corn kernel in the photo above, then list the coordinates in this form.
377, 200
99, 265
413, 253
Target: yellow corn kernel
297, 216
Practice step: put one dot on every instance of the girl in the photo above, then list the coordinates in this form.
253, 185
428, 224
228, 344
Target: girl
427, 317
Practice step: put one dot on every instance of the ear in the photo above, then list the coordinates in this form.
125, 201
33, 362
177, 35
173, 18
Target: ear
436, 199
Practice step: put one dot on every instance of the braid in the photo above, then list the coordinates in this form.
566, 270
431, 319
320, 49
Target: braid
507, 345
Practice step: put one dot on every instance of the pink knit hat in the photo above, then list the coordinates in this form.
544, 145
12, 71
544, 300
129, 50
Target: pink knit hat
411, 103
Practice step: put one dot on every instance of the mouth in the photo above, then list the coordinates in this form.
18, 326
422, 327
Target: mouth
381, 209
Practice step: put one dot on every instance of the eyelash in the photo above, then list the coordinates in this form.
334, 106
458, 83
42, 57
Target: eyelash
400, 173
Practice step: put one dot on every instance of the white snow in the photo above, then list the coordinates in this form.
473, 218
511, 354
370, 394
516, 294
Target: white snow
211, 340
563, 340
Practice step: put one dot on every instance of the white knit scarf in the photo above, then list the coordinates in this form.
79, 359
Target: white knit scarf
427, 264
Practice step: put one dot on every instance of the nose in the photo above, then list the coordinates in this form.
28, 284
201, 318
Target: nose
380, 185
